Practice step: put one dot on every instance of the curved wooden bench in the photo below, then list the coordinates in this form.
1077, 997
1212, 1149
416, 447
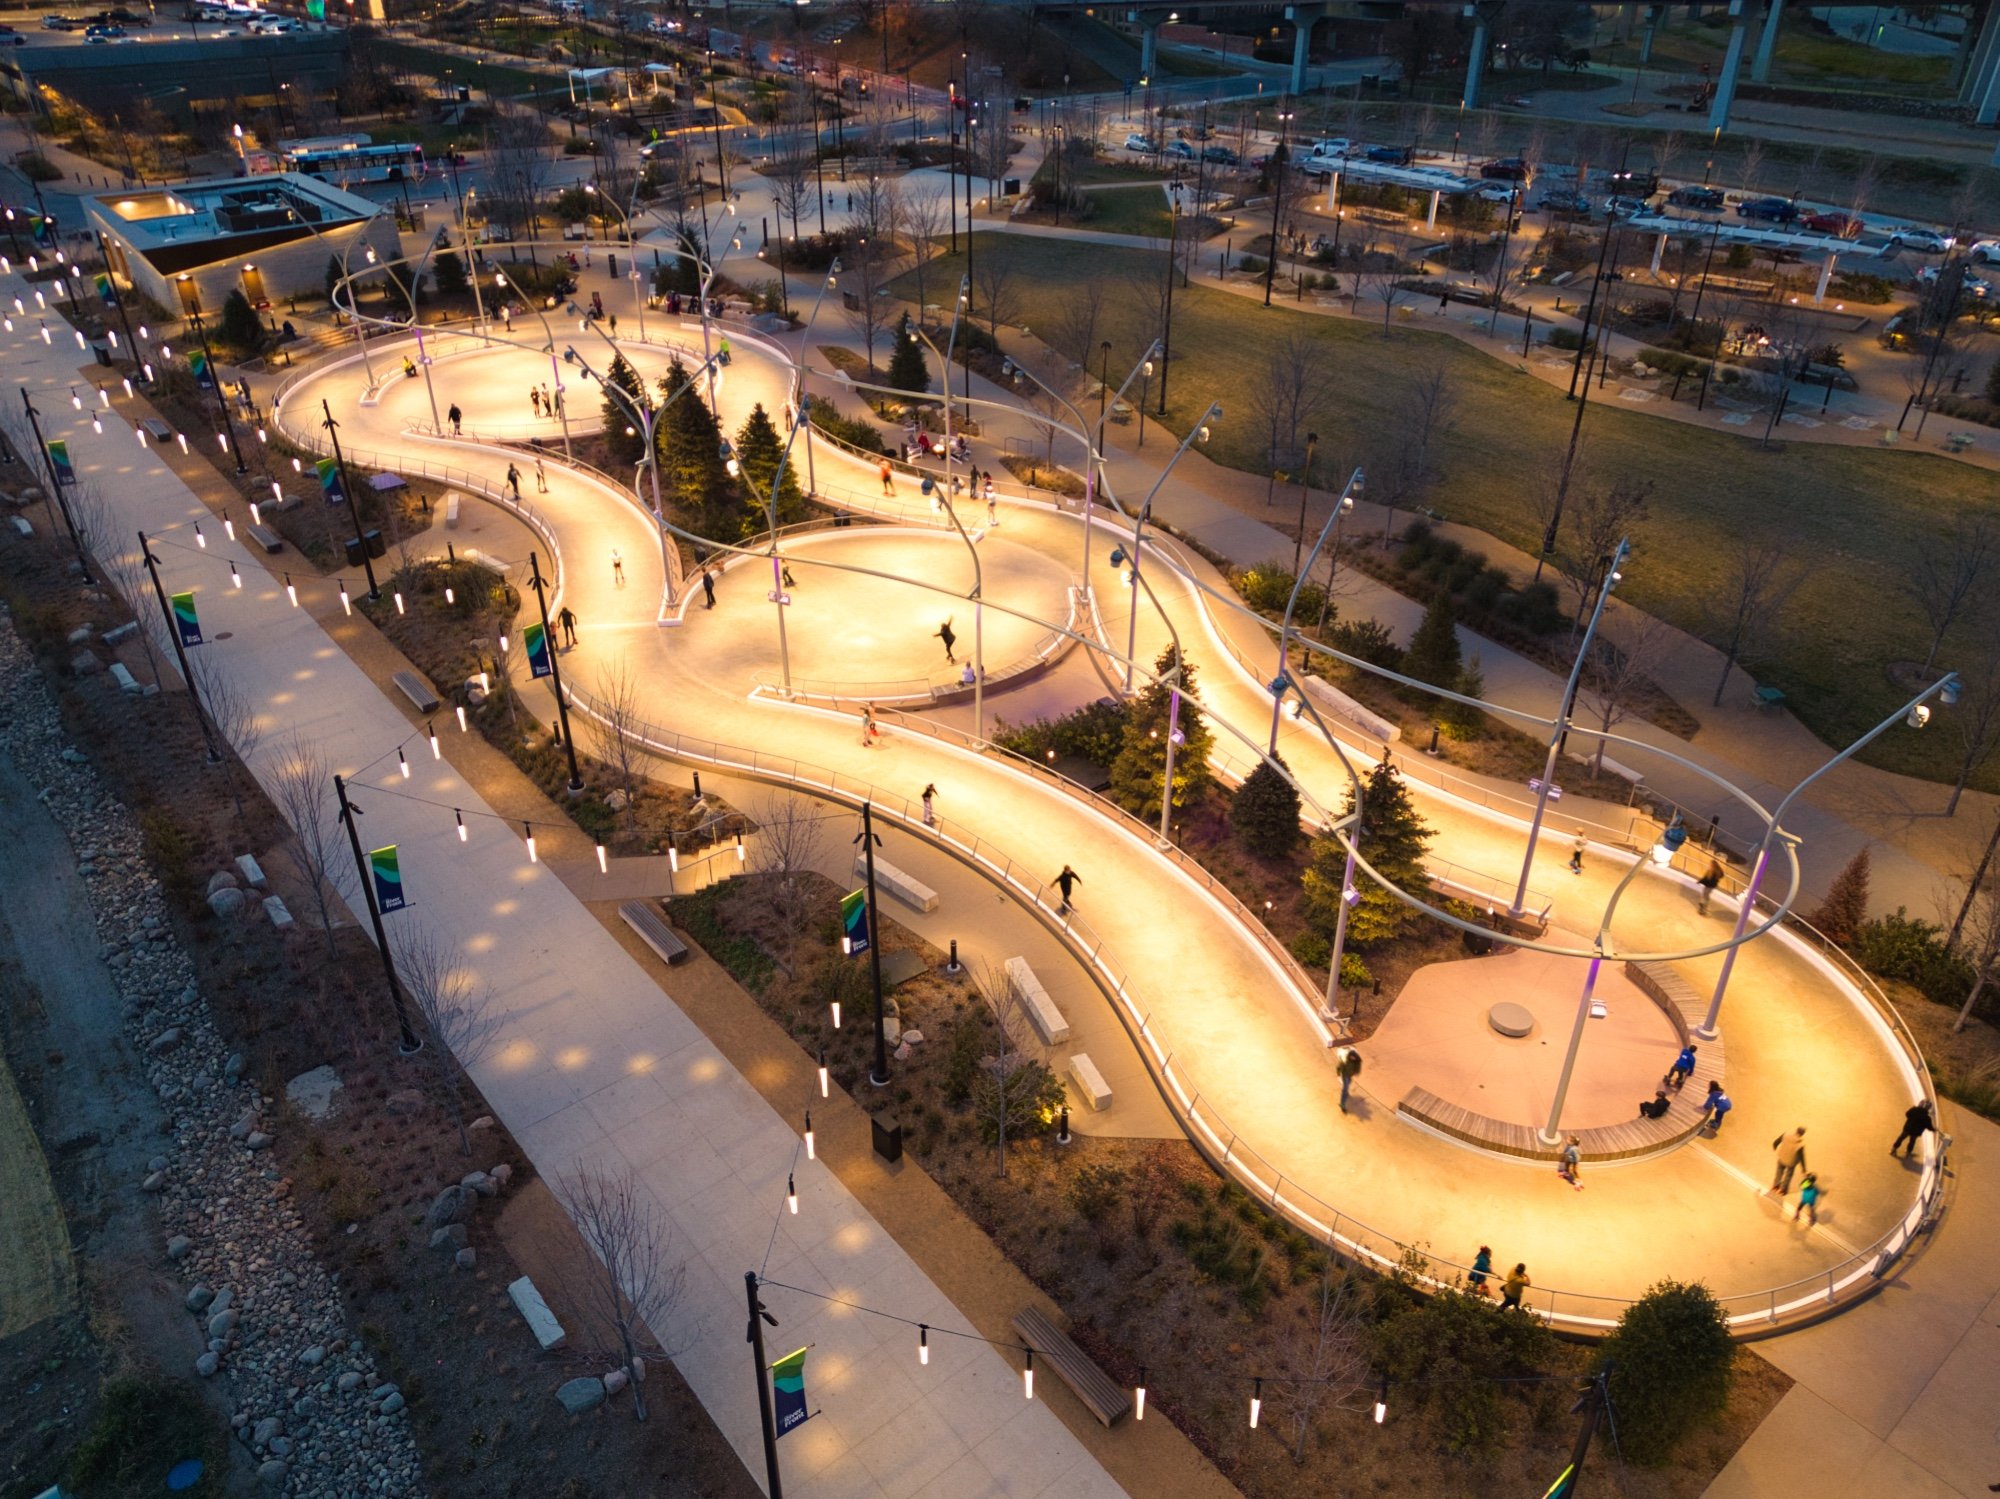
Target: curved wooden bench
1610, 1142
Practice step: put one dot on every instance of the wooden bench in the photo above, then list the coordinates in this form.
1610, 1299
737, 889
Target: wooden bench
651, 924
417, 690
451, 510
1089, 1081
265, 537
1048, 1021
1102, 1396
906, 888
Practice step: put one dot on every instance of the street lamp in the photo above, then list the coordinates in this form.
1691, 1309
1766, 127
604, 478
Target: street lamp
1283, 680
1197, 433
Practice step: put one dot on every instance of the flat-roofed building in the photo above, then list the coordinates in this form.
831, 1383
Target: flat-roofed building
179, 69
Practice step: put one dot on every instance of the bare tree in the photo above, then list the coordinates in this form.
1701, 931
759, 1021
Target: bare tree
1867, 177
519, 171
877, 214
454, 1013
1399, 459
1947, 573
1600, 517
101, 531
996, 279
1295, 390
1975, 720
1325, 1360
1384, 284
1080, 319
786, 853
616, 729
868, 309
1012, 1076
924, 220
1617, 671
1761, 580
638, 1283
301, 786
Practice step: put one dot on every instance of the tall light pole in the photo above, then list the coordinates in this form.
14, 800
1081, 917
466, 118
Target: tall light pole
411, 1045
347, 493
215, 385
1284, 680
1279, 161
1198, 432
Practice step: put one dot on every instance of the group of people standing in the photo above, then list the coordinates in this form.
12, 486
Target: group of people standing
1512, 1287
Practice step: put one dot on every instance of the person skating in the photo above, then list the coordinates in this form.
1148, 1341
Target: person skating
1347, 1071
1482, 1267
1717, 1104
1066, 882
535, 400
944, 633
455, 417
930, 816
1683, 1067
1789, 1152
1576, 852
992, 510
871, 731
888, 478
1514, 1288
1570, 1166
541, 478
1711, 877
617, 568
567, 620
1917, 1123
514, 482
1809, 1196
708, 588
1657, 1107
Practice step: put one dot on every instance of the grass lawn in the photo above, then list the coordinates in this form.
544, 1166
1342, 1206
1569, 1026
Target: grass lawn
1856, 512
1803, 56
1130, 210
493, 78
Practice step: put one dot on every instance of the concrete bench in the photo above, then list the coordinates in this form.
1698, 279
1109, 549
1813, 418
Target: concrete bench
122, 675
906, 888
21, 524
650, 923
535, 1312
417, 690
1101, 1395
265, 537
1043, 1015
483, 559
250, 871
1089, 1081
451, 500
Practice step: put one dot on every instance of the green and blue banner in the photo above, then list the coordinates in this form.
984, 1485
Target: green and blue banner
788, 1386
59, 461
106, 292
316, 9
854, 923
198, 367
387, 873
535, 640
42, 228
329, 480
185, 619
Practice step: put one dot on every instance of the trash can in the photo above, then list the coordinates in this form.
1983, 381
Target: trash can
355, 551
1010, 187
103, 354
376, 545
888, 1138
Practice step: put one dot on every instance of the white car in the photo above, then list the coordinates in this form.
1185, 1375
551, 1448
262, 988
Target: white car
1974, 286
1917, 237
1984, 250
1338, 145
1139, 143
1496, 192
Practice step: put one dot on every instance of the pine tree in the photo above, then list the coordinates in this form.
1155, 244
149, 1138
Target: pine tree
1433, 655
450, 272
1138, 775
691, 466
239, 327
907, 369
760, 452
1265, 811
1846, 907
1393, 841
1461, 720
619, 418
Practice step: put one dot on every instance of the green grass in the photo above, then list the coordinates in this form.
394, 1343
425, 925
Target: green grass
143, 1428
1803, 57
1130, 210
494, 79
1858, 513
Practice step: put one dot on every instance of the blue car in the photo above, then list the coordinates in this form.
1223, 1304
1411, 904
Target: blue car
1769, 210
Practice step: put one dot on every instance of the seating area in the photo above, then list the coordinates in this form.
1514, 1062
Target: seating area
907, 888
1089, 1081
1049, 1022
1101, 1395
265, 537
451, 503
417, 690
650, 923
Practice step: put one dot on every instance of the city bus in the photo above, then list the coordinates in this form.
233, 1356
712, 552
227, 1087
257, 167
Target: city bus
352, 161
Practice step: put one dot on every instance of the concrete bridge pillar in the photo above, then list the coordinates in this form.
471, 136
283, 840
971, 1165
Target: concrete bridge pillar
1983, 70
1659, 250
1767, 42
1654, 15
1149, 46
1825, 275
1302, 35
1482, 14
1732, 65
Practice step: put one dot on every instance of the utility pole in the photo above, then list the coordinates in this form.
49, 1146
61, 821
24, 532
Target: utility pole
55, 491
1280, 159
111, 282
1167, 332
1591, 1406
879, 1074
755, 1337
347, 493
410, 1044
221, 400
555, 673
180, 651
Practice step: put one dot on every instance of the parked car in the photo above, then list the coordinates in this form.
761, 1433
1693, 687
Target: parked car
1625, 208
1139, 143
1507, 169
1497, 192
1181, 150
60, 23
1220, 154
1393, 156
1338, 145
1917, 237
1768, 210
1983, 250
128, 17
1563, 200
1975, 286
1831, 221
1635, 184
1700, 199
102, 33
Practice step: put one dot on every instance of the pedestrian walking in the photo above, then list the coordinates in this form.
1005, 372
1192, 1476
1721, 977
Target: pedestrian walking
1809, 1196
930, 817
567, 620
1482, 1267
888, 479
870, 730
992, 511
1513, 1288
1714, 1107
614, 325
708, 587
514, 482
1570, 1165
1067, 881
456, 416
617, 568
1576, 852
535, 399
1917, 1123
1444, 303
944, 633
1790, 1153
1347, 1070
559, 401
548, 405
541, 478
1711, 877
1683, 1067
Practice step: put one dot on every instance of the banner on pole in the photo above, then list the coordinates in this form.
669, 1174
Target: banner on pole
185, 619
106, 292
316, 9
198, 367
42, 228
59, 461
388, 875
329, 480
1565, 1485
536, 641
854, 923
788, 1386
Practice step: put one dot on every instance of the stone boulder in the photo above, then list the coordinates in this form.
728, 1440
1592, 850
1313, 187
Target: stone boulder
449, 1206
580, 1395
227, 902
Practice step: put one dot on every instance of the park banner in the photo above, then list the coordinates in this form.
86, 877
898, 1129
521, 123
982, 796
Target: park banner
329, 480
42, 228
106, 292
536, 641
185, 619
854, 923
1565, 1485
59, 461
198, 367
788, 1383
388, 875
316, 9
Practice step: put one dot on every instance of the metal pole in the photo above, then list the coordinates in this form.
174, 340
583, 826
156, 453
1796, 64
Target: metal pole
180, 651
765, 1426
1346, 905
410, 1044
347, 493
215, 384
879, 1074
555, 674
117, 297
1173, 734
56, 495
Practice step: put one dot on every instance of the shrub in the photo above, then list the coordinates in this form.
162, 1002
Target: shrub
1265, 586
1034, 1097
142, 1428
1354, 973
1095, 1190
1265, 812
1904, 947
1569, 338
1311, 949
1094, 732
1367, 640
36, 167
1250, 265
1455, 1348
1671, 1359
239, 328
854, 431
961, 1063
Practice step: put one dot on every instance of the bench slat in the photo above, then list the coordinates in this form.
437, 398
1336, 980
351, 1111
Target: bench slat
1104, 1397
417, 690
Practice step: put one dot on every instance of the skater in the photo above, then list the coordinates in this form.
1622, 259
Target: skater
567, 620
541, 478
1576, 852
614, 325
1714, 1107
1513, 1288
409, 369
1067, 881
1809, 1200
1711, 877
514, 482
992, 511
1570, 1167
1657, 1109
944, 633
930, 817
455, 416
870, 730
1790, 1154
1348, 1070
888, 481
617, 568
785, 577
989, 493
708, 587
1482, 1267
548, 406
1917, 1123
1683, 1067
559, 403
535, 400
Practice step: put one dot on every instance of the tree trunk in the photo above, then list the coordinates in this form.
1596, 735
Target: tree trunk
1728, 665
1978, 879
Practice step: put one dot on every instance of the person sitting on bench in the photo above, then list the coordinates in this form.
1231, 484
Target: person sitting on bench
1657, 1109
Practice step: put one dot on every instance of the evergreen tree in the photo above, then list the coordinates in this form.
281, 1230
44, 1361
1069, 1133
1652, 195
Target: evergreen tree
691, 466
1138, 775
1461, 720
1433, 655
760, 452
239, 327
1265, 811
1670, 1363
618, 416
1845, 911
450, 272
907, 369
1393, 840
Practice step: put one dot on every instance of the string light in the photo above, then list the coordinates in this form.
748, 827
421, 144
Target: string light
229, 528
1382, 1401
399, 602
81, 342
182, 438
461, 824
740, 855
103, 397
402, 764
437, 753
124, 380
673, 858
1028, 1376
96, 423
822, 1074
45, 336
450, 597
791, 1194
1256, 1401
1139, 1397
146, 371
603, 860
199, 539
528, 829
41, 301
291, 592
460, 711
9, 322
295, 469
923, 1343
166, 352
235, 578
346, 603
261, 437
140, 433
75, 399
222, 442
811, 1153
256, 515
144, 331
503, 642
836, 1014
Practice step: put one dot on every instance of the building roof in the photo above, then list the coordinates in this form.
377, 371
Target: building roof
192, 224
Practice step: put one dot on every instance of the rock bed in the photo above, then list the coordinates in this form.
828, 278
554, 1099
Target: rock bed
309, 1403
